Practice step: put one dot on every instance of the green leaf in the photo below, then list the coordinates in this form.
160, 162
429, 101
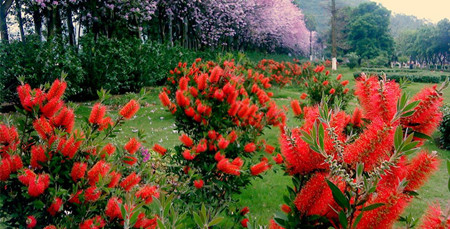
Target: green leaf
133, 218
422, 136
215, 221
407, 114
338, 195
197, 220
343, 219
359, 169
372, 207
321, 136
357, 220
412, 105
398, 137
123, 211
160, 224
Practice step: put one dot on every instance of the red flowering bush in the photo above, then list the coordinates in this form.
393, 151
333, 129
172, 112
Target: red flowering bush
280, 74
352, 170
221, 112
319, 83
53, 173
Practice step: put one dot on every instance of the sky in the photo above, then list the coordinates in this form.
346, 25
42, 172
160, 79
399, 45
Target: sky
432, 10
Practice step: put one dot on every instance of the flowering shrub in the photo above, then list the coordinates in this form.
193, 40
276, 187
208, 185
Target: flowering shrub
53, 173
319, 83
444, 128
221, 112
279, 74
352, 170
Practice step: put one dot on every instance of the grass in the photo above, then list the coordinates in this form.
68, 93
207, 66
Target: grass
263, 196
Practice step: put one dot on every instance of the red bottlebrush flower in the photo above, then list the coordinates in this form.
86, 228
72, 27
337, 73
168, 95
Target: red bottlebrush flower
201, 147
132, 146
143, 222
147, 193
97, 114
31, 221
286, 209
106, 122
225, 166
218, 94
69, 147
325, 83
315, 197
259, 168
420, 169
218, 157
190, 112
115, 178
159, 149
332, 91
198, 184
43, 127
130, 160
55, 207
101, 168
56, 90
232, 136
278, 159
427, 114
75, 198
244, 211
357, 117
215, 74
296, 107
345, 91
186, 169
269, 149
130, 109
50, 109
183, 83
339, 77
244, 222
434, 218
187, 155
37, 186
29, 98
164, 99
233, 109
223, 143
65, 118
38, 156
250, 147
243, 111
182, 101
212, 134
130, 181
371, 146
15, 163
92, 194
303, 96
5, 169
112, 208
193, 91
107, 149
238, 161
327, 73
186, 140
274, 225
344, 83
78, 171
201, 82
27, 177
9, 139
93, 223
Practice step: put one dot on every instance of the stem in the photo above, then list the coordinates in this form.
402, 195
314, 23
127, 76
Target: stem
353, 210
23, 133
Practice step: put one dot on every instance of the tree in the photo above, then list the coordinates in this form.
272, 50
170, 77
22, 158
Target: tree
369, 31
4, 8
310, 22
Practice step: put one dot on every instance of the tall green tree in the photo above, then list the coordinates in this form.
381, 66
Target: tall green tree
369, 31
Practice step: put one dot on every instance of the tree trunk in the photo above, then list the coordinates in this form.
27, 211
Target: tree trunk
37, 18
58, 22
50, 24
4, 7
19, 19
170, 31
333, 34
70, 27
185, 33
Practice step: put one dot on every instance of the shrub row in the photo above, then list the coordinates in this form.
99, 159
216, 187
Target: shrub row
420, 77
112, 64
444, 128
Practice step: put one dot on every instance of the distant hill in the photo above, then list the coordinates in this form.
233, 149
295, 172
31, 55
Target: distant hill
320, 11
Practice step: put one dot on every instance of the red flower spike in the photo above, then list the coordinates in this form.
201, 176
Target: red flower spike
278, 159
433, 218
244, 222
52, 106
420, 169
112, 208
339, 77
286, 209
344, 83
101, 168
259, 168
325, 83
130, 160
97, 114
115, 178
296, 107
132, 146
215, 74
130, 181
186, 140
78, 171
56, 90
303, 96
5, 169
43, 128
130, 109
332, 91
250, 147
164, 99
225, 166
147, 193
244, 211
55, 207
315, 197
159, 149
198, 184
31, 221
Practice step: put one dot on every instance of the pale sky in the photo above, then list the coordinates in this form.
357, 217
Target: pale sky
432, 10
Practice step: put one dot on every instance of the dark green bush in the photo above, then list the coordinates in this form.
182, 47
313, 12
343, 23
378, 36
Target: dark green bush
419, 77
444, 128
